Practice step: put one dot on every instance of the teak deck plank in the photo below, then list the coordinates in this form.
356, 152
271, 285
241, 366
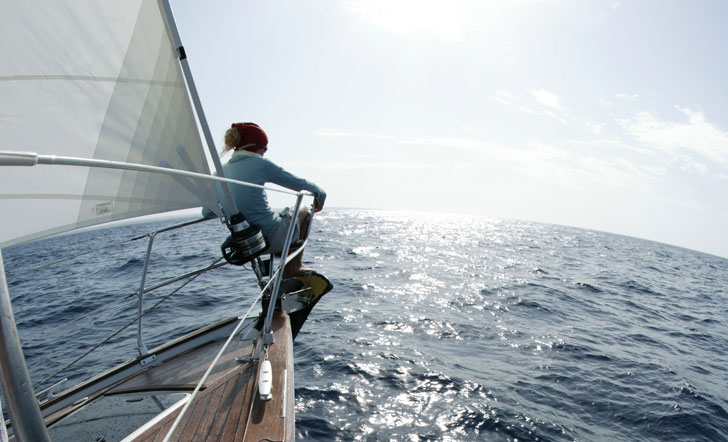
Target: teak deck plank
183, 372
234, 413
217, 417
266, 416
222, 411
208, 419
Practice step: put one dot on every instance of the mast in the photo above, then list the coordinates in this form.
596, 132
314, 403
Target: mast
177, 42
18, 390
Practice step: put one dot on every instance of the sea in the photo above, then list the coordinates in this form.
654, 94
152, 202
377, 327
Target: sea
439, 328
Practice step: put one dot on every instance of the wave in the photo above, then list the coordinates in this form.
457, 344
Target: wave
463, 329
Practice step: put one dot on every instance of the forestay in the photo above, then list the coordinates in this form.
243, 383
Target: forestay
94, 80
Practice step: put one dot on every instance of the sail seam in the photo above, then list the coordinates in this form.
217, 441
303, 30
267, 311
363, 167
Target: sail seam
90, 78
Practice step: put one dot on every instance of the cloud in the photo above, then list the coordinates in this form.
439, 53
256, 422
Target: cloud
628, 97
552, 103
695, 167
616, 144
621, 97
360, 164
673, 138
509, 99
605, 102
342, 134
541, 162
445, 143
583, 173
549, 99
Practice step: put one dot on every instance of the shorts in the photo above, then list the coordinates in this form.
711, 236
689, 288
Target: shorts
277, 238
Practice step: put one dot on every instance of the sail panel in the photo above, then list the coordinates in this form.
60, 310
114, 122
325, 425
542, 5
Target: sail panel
94, 80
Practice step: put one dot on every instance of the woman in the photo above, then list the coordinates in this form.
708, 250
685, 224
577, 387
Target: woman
249, 144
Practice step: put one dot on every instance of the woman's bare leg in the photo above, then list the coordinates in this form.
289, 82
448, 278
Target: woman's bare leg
296, 265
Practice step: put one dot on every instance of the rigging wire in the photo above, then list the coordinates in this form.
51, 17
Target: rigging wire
76, 319
52, 263
273, 277
72, 363
217, 358
37, 338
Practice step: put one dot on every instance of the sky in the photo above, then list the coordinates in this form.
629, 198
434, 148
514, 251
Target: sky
607, 115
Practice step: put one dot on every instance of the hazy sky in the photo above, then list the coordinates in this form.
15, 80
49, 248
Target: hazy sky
608, 115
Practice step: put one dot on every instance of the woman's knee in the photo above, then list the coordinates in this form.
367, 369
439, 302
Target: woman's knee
303, 214
304, 217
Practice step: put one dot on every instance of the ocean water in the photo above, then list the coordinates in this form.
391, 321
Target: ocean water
439, 328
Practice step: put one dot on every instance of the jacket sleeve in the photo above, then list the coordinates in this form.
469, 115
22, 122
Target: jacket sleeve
282, 177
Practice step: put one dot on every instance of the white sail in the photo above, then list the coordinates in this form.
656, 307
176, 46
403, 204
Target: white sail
100, 80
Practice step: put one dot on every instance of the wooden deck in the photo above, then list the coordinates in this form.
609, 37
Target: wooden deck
222, 411
227, 408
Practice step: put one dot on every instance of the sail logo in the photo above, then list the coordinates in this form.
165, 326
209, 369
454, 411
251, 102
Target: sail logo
103, 208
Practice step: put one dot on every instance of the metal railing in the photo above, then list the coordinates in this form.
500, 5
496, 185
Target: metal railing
273, 283
266, 333
142, 289
13, 371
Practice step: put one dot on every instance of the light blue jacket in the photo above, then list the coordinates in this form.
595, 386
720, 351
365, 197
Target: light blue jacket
253, 202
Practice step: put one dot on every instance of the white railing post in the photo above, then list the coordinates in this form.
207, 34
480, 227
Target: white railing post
281, 268
140, 294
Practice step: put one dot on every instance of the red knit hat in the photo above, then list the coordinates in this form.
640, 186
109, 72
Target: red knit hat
252, 137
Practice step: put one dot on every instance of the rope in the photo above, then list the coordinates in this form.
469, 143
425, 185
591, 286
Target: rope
72, 363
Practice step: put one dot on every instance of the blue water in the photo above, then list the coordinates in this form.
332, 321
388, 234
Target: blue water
439, 327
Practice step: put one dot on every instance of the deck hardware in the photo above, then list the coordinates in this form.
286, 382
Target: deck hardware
48, 392
245, 243
265, 381
146, 361
246, 360
268, 339
293, 302
80, 401
283, 390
